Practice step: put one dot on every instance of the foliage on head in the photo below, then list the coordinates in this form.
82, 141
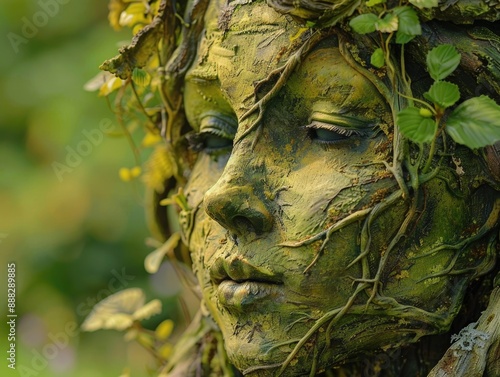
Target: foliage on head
150, 75
377, 38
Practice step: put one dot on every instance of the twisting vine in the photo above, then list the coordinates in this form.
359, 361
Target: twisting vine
422, 126
147, 77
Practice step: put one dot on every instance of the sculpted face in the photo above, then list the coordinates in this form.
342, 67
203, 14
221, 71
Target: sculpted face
281, 214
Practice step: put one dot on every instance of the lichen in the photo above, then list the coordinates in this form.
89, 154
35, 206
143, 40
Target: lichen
469, 337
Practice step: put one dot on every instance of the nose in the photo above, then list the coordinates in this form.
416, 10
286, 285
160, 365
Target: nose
237, 208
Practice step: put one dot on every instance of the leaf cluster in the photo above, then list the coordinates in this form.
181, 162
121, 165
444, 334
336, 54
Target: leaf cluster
474, 123
124, 311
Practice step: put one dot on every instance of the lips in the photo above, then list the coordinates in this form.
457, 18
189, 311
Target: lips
241, 284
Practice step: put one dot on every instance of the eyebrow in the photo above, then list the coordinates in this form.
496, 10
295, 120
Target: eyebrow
343, 113
207, 72
202, 75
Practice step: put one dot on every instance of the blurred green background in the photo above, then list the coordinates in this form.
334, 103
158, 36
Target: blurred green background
69, 234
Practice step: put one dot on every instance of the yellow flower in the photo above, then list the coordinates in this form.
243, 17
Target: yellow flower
116, 7
165, 351
133, 15
135, 171
159, 167
164, 329
151, 139
112, 83
125, 174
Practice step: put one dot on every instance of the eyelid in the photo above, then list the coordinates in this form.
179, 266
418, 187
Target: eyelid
218, 124
340, 120
341, 130
216, 134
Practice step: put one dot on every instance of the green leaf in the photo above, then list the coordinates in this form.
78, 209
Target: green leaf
150, 309
402, 38
443, 93
139, 52
141, 77
409, 24
377, 59
153, 260
475, 122
372, 3
364, 23
115, 311
414, 126
442, 61
388, 24
424, 3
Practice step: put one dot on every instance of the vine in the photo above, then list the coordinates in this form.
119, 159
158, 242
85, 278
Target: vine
145, 80
474, 123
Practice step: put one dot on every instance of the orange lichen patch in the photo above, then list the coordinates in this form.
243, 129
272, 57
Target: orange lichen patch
378, 196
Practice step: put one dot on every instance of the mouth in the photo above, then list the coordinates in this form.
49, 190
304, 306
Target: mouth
241, 285
247, 294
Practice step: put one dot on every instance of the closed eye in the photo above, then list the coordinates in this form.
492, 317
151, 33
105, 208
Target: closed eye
215, 136
327, 133
214, 142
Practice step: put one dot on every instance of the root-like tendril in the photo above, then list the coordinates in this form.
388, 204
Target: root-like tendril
284, 73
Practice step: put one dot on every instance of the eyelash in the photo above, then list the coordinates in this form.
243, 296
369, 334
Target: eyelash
197, 142
216, 136
343, 133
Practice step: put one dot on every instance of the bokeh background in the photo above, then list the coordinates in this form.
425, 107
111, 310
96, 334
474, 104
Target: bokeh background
69, 233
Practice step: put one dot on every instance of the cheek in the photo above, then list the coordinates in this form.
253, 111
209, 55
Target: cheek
305, 202
204, 175
325, 190
200, 233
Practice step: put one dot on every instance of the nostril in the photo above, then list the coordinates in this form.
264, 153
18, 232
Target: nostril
243, 224
238, 210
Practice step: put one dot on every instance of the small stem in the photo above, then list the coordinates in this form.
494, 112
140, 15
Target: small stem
431, 156
404, 76
119, 117
432, 151
419, 101
390, 66
150, 124
314, 366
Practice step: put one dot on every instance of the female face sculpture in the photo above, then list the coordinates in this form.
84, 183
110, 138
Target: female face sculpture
308, 251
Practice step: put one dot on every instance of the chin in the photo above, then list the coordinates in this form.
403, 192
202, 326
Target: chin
264, 346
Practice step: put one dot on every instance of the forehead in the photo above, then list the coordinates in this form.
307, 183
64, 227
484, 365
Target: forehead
242, 44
